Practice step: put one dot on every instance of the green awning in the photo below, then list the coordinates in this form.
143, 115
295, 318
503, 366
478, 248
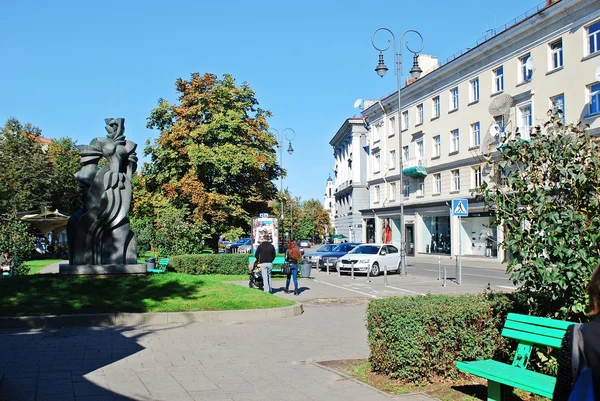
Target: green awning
415, 172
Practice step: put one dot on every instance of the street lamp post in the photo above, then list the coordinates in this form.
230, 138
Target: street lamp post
415, 72
280, 137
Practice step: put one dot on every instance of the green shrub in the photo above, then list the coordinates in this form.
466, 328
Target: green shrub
419, 339
210, 264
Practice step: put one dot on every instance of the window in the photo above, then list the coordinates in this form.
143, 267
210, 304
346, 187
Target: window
454, 139
500, 121
524, 72
474, 90
392, 126
377, 133
455, 180
393, 191
420, 114
404, 155
437, 145
377, 193
404, 120
593, 35
406, 190
594, 103
437, 183
420, 150
454, 98
475, 134
498, 79
436, 106
476, 176
421, 187
376, 163
558, 103
392, 159
525, 119
556, 54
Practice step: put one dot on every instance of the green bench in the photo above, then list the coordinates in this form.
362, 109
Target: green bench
277, 263
528, 331
161, 266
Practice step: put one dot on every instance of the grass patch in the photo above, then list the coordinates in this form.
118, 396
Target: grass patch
471, 390
171, 292
38, 264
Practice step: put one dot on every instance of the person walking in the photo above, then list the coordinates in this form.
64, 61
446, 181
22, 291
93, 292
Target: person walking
265, 254
6, 263
591, 346
292, 256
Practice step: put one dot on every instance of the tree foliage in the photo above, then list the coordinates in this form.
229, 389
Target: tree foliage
545, 191
214, 157
15, 237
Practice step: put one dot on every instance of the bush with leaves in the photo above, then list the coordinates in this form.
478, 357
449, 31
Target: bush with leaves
230, 264
545, 192
20, 243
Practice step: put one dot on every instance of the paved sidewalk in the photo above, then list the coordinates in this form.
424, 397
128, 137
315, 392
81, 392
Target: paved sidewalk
262, 360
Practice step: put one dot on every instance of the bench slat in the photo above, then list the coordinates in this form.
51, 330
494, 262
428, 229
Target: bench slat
532, 338
539, 321
531, 328
508, 375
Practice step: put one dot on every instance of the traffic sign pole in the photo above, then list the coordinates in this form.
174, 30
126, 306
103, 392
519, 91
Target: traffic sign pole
459, 273
460, 208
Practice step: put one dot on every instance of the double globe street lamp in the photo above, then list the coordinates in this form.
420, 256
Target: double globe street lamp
415, 72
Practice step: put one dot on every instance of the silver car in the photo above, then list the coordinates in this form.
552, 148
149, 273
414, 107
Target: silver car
315, 257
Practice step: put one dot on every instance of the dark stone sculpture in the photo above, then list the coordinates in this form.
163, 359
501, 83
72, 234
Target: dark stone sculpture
100, 238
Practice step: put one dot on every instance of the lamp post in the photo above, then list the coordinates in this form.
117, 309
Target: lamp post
415, 72
280, 137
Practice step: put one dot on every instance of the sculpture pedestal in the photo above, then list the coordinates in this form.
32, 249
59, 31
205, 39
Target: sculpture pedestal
139, 268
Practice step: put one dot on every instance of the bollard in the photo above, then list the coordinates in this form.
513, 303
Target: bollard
327, 266
368, 274
352, 270
445, 272
439, 267
385, 276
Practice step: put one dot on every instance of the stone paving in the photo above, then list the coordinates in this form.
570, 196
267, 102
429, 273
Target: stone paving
254, 361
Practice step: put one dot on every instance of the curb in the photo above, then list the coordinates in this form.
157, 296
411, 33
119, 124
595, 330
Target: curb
135, 319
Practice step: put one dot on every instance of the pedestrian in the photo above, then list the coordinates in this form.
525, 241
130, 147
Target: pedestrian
591, 345
292, 256
265, 254
6, 262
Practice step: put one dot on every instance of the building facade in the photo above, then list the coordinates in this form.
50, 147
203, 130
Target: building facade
451, 115
329, 203
350, 151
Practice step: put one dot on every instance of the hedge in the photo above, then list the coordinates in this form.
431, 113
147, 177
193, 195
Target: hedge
419, 339
231, 264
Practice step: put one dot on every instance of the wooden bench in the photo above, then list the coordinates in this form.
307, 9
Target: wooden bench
529, 331
161, 267
279, 260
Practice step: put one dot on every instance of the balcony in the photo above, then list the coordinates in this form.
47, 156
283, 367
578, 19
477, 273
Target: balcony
415, 168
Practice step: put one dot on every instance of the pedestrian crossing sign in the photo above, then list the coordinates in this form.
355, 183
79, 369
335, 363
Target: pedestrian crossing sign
460, 207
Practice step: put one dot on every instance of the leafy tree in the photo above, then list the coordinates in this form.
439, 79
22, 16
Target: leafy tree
15, 237
26, 172
64, 158
175, 234
214, 155
545, 191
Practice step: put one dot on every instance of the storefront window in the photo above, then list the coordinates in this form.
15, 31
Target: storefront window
435, 235
479, 235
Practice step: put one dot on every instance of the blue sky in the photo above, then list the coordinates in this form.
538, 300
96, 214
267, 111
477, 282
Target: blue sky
69, 64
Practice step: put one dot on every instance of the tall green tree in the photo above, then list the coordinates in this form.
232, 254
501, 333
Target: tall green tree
313, 220
214, 155
64, 191
546, 193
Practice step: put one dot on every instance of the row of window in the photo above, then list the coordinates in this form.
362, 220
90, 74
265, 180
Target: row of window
455, 185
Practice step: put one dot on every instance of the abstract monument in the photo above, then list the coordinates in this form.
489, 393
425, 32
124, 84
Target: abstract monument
99, 236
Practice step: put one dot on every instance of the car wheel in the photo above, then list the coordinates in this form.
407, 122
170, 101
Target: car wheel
375, 269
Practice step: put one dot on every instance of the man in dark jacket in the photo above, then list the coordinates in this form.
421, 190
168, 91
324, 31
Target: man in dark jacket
265, 254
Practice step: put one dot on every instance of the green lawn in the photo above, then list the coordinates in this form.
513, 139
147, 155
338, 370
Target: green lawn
171, 292
39, 264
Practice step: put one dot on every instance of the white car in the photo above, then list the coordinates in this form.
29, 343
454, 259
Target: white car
370, 256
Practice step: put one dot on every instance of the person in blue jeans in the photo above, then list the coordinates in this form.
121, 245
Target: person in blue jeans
265, 254
292, 256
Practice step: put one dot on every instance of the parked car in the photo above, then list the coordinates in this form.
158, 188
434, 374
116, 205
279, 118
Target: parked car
234, 248
376, 257
305, 243
330, 258
315, 257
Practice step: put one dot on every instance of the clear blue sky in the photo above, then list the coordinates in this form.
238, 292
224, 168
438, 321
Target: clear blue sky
69, 64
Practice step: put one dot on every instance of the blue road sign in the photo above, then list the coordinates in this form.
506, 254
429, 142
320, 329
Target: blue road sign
460, 207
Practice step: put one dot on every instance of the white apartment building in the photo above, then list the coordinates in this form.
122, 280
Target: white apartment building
547, 60
329, 203
350, 151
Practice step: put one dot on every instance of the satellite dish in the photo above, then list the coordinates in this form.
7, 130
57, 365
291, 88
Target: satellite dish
494, 130
530, 64
358, 103
501, 105
489, 138
597, 74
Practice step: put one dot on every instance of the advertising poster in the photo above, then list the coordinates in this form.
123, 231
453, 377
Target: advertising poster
265, 228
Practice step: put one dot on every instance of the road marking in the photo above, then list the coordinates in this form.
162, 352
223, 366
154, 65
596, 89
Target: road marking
470, 274
347, 289
507, 287
400, 289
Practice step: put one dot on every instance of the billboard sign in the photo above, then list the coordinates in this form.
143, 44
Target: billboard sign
265, 228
